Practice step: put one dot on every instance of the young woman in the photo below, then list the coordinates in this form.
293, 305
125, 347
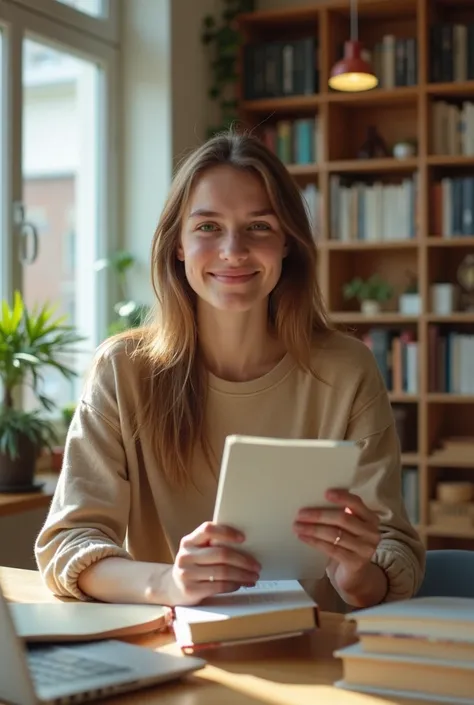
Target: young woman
240, 343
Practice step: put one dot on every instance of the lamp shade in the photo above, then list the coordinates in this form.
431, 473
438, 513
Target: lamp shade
352, 73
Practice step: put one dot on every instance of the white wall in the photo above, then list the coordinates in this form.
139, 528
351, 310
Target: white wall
165, 112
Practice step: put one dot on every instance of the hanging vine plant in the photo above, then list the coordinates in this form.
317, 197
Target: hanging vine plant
221, 37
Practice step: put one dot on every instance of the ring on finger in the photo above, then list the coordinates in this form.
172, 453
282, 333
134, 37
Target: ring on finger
338, 538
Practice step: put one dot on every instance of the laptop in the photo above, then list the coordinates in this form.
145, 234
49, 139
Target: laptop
47, 673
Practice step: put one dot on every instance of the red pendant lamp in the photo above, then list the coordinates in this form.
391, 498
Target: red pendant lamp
352, 73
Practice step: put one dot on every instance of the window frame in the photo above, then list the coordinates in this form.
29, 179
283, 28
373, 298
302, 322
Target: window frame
106, 28
17, 23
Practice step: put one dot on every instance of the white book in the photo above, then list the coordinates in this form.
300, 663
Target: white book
263, 484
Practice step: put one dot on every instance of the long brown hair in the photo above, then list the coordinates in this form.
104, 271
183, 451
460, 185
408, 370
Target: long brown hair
174, 396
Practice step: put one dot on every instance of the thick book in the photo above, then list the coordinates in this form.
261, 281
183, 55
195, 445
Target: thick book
450, 618
270, 610
407, 676
86, 621
420, 648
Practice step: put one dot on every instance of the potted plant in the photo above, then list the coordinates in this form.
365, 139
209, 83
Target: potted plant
130, 313
29, 342
370, 293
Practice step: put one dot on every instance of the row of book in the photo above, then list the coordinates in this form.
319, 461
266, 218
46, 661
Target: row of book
395, 61
294, 141
452, 207
396, 354
451, 361
373, 211
453, 128
452, 52
276, 69
421, 649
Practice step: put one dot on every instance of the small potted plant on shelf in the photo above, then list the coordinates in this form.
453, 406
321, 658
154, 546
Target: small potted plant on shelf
371, 293
29, 342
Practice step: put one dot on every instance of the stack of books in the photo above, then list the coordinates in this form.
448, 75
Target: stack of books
273, 609
420, 649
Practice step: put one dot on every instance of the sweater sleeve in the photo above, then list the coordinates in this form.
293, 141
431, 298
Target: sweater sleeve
400, 553
88, 516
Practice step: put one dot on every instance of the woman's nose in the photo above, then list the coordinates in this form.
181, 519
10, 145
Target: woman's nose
234, 246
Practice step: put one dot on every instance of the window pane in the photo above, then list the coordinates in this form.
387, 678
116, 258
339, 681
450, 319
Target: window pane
96, 8
60, 192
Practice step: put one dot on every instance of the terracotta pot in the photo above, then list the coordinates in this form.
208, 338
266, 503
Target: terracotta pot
18, 474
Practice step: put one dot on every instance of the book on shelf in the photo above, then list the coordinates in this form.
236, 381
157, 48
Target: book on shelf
453, 128
277, 68
453, 207
273, 609
452, 52
451, 361
371, 211
418, 648
294, 141
396, 354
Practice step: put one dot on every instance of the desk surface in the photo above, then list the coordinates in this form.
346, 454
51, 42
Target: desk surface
17, 502
297, 671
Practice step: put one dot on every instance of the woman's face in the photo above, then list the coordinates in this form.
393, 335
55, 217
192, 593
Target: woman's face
231, 242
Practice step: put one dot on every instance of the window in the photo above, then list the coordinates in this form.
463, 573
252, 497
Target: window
96, 8
58, 195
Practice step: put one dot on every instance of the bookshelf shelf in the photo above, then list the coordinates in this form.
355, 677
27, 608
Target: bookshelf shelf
453, 89
373, 166
371, 245
291, 104
448, 160
410, 458
303, 169
437, 463
416, 240
377, 96
380, 319
448, 398
466, 241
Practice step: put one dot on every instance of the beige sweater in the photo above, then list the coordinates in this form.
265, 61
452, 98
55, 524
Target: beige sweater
112, 499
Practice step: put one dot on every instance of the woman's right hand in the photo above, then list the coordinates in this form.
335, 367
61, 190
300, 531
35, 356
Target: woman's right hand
203, 568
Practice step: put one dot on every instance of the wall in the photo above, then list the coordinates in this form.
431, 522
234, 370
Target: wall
164, 109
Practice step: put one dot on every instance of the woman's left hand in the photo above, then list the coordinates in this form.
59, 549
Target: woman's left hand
348, 534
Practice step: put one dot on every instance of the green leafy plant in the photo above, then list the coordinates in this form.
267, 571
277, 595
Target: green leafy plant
220, 35
372, 289
67, 412
30, 341
130, 313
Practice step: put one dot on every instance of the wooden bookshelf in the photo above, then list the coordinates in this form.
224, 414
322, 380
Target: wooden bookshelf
430, 251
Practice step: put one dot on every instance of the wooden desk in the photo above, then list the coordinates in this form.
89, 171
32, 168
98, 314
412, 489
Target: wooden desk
296, 671
25, 501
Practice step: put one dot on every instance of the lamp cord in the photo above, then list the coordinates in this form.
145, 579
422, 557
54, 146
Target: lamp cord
354, 32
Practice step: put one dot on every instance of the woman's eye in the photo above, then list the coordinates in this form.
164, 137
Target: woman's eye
207, 227
260, 226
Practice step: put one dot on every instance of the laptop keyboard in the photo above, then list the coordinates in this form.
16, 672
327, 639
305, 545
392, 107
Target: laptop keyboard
48, 666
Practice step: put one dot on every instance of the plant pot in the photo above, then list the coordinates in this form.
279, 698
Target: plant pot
18, 474
370, 308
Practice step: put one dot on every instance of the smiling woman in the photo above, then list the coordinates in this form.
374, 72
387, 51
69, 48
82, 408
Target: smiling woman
239, 343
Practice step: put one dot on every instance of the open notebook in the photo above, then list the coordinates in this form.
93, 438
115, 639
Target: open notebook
79, 621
